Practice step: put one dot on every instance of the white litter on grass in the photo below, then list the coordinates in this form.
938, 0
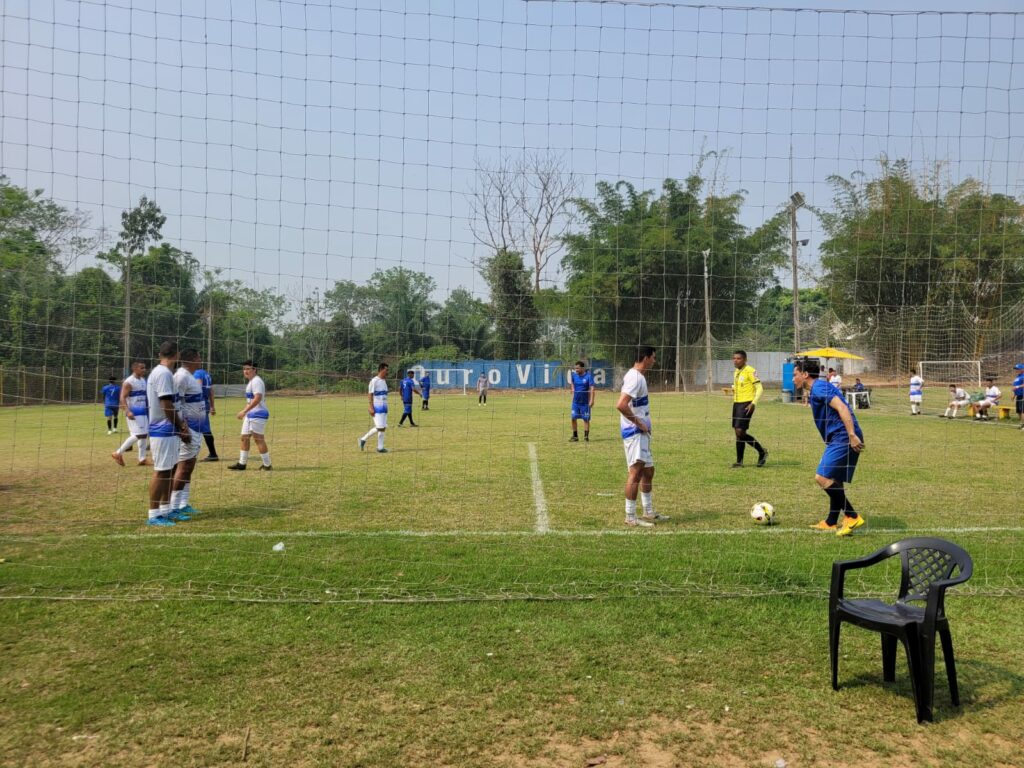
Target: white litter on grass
780, 763
279, 547
605, 494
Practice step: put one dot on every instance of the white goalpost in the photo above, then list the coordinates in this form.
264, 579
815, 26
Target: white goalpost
950, 371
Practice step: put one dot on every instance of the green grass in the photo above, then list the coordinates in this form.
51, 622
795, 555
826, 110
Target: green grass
415, 616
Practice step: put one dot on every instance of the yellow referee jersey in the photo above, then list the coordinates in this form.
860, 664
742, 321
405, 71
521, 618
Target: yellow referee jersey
746, 387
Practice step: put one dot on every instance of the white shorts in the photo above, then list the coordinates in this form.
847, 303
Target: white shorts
638, 449
380, 420
960, 403
164, 451
988, 402
915, 399
139, 425
189, 451
254, 426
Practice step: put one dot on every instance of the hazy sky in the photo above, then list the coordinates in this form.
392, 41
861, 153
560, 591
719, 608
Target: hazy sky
296, 143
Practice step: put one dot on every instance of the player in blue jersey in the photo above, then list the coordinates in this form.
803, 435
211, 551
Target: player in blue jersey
581, 384
844, 442
206, 382
406, 387
111, 403
425, 384
1018, 392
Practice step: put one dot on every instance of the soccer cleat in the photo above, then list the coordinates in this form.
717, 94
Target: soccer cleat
634, 522
574, 439
382, 450
656, 518
211, 458
237, 467
737, 465
189, 510
145, 463
586, 438
178, 516
849, 524
822, 525
160, 522
762, 458
265, 467
118, 458
362, 444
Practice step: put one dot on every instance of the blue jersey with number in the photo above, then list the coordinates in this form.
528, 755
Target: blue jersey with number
111, 395
826, 418
1018, 387
206, 382
406, 386
425, 384
581, 387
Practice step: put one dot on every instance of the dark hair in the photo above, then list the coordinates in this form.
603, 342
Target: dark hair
831, 370
111, 379
248, 364
168, 349
989, 379
381, 367
811, 367
410, 372
190, 354
740, 352
581, 364
644, 352
138, 362
952, 386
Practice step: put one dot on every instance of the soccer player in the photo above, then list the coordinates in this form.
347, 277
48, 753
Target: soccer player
992, 395
481, 389
843, 443
254, 419
167, 430
581, 384
958, 398
192, 407
1018, 392
635, 424
746, 391
406, 387
916, 393
378, 396
136, 413
111, 403
834, 378
206, 382
425, 391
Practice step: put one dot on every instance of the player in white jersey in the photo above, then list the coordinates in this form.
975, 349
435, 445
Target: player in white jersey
378, 399
992, 395
916, 394
192, 407
167, 430
958, 398
136, 411
254, 419
635, 422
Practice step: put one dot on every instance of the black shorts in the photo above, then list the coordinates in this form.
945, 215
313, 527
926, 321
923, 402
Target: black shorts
740, 418
1020, 405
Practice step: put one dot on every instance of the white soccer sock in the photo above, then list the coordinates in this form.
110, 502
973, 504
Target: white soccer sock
266, 458
132, 439
368, 435
143, 444
154, 513
243, 457
630, 508
164, 508
954, 412
947, 412
380, 440
185, 493
176, 502
647, 500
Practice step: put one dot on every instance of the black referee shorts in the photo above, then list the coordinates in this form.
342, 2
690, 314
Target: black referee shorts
740, 418
1020, 404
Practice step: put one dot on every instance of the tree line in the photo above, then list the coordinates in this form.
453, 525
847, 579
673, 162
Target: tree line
634, 264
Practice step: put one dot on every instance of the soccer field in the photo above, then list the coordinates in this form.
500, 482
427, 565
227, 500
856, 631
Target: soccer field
472, 597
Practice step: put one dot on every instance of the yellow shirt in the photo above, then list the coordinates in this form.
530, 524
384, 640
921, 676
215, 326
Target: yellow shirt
746, 387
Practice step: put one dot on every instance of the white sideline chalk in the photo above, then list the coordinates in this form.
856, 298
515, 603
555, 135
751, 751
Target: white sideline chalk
541, 504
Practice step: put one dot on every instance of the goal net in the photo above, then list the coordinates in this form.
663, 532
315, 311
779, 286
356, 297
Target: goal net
497, 189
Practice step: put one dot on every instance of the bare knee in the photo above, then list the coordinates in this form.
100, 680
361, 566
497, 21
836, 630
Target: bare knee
824, 482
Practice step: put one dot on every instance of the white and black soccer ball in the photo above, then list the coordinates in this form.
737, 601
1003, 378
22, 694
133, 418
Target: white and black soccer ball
763, 513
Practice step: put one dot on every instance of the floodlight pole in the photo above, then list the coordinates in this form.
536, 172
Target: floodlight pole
796, 201
707, 318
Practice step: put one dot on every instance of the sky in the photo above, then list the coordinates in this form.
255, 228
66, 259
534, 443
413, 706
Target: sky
292, 144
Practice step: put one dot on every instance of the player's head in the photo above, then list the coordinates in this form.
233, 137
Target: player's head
382, 370
411, 374
1019, 367
990, 381
581, 367
248, 369
139, 368
805, 373
831, 371
111, 380
645, 358
190, 358
857, 380
952, 387
168, 352
739, 358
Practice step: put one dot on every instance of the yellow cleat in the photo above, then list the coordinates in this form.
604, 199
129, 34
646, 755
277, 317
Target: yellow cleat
821, 525
849, 524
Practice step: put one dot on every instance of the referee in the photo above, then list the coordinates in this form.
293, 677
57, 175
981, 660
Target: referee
746, 391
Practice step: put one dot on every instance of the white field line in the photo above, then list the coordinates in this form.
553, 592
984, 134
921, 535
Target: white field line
541, 504
168, 536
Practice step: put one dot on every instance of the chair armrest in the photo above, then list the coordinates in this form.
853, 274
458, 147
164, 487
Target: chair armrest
936, 597
840, 567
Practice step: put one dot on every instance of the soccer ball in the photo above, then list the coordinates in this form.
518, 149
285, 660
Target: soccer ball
763, 513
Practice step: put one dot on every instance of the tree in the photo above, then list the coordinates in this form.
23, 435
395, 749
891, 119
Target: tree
399, 312
465, 322
514, 312
524, 205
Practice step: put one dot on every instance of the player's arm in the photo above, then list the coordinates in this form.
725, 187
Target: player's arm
837, 405
369, 398
593, 394
623, 407
213, 407
257, 397
126, 389
758, 391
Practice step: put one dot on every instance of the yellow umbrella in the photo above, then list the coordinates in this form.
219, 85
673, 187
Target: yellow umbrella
831, 352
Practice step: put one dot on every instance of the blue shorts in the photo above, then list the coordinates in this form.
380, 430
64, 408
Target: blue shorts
426, 394
204, 426
109, 410
838, 462
407, 406
581, 412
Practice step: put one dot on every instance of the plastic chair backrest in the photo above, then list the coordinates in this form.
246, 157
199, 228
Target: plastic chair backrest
925, 561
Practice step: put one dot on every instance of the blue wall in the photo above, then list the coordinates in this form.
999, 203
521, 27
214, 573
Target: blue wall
508, 374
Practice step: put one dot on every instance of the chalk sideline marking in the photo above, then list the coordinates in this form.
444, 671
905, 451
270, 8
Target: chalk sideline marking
539, 502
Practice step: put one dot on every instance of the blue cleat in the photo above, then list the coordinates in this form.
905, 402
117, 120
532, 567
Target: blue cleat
178, 515
161, 522
362, 444
189, 510
382, 450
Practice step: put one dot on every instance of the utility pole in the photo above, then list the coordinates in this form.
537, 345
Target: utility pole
209, 337
707, 318
127, 310
796, 201
679, 346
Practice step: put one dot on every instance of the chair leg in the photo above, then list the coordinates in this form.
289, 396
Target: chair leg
947, 655
833, 649
912, 646
927, 670
888, 658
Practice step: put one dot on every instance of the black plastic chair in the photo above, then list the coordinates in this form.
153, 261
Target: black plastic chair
928, 566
